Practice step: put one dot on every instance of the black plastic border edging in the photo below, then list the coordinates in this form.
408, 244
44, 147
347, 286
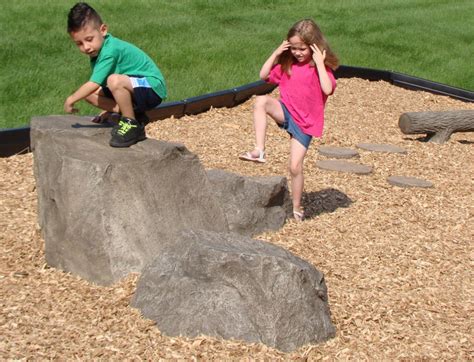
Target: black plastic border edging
17, 140
14, 141
405, 81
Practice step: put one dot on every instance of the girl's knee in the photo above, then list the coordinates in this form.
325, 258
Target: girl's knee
260, 101
295, 169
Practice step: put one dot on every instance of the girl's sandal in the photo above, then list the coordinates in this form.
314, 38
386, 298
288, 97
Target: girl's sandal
298, 215
248, 156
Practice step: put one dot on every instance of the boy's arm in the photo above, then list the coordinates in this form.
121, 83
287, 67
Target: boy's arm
84, 90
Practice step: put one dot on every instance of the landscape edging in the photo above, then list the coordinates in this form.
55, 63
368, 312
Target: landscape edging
15, 141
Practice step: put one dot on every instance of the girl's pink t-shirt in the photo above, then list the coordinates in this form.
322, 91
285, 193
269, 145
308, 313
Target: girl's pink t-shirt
302, 95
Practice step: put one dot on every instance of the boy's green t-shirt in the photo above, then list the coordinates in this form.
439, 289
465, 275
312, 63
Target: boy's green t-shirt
119, 57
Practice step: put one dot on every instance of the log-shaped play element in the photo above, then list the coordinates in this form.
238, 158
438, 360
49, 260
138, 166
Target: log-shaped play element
438, 126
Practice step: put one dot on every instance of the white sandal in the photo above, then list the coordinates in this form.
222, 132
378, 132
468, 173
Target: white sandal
247, 156
298, 215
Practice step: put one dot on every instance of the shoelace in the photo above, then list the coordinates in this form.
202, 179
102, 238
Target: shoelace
125, 127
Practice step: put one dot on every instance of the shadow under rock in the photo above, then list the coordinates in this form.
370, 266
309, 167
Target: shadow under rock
327, 200
418, 139
93, 125
427, 138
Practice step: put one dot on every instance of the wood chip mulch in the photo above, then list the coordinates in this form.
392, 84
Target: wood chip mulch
397, 261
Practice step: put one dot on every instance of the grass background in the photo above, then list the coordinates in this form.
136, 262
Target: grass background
203, 46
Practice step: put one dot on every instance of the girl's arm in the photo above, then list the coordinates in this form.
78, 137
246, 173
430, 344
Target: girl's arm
272, 59
324, 80
84, 90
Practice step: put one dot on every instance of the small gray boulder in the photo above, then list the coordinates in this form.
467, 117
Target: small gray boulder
251, 204
230, 286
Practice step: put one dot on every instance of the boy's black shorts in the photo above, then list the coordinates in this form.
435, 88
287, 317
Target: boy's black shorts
144, 98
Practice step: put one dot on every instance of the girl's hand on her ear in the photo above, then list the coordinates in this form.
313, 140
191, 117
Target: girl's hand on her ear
285, 45
318, 55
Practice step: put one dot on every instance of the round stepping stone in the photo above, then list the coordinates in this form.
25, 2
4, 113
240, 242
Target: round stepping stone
405, 181
344, 166
338, 152
381, 148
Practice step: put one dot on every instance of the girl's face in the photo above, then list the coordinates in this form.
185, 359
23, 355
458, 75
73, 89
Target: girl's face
299, 49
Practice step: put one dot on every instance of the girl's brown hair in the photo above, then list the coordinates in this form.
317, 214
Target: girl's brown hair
310, 33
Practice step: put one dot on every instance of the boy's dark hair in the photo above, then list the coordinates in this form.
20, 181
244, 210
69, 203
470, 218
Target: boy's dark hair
81, 14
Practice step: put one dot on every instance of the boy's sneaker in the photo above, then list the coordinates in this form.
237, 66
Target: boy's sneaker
127, 133
140, 117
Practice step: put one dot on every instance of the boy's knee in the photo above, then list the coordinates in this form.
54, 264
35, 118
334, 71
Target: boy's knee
112, 81
115, 81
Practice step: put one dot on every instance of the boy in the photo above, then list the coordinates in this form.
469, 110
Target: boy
125, 82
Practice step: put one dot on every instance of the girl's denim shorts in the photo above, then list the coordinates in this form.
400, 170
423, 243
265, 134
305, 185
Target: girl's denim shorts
292, 128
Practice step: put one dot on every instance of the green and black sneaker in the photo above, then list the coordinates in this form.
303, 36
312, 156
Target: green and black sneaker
140, 117
128, 132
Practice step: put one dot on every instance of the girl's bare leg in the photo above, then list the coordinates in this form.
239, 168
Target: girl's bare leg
297, 154
265, 105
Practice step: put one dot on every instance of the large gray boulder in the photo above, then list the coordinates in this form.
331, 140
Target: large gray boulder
104, 211
230, 286
252, 204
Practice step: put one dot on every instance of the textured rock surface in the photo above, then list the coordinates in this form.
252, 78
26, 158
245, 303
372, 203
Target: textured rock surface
230, 286
104, 211
251, 204
344, 166
407, 181
376, 147
337, 152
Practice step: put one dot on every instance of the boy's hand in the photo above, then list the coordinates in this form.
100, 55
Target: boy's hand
69, 107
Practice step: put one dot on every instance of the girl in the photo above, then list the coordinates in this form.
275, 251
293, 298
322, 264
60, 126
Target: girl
302, 68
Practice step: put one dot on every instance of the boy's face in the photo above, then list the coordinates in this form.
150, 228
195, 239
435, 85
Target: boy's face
89, 38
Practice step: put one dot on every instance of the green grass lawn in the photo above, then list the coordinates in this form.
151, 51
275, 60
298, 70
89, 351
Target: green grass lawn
203, 46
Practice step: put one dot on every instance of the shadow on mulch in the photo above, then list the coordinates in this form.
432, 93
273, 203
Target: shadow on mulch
425, 139
327, 200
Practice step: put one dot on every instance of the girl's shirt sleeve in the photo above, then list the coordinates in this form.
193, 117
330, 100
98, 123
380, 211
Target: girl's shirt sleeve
275, 74
332, 78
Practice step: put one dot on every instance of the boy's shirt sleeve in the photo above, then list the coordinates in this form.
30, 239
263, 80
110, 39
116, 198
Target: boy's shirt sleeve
102, 68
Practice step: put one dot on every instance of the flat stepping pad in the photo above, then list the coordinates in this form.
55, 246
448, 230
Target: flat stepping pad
344, 166
338, 152
406, 181
381, 148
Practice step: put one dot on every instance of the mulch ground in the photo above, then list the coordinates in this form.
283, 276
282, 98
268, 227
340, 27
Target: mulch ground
397, 261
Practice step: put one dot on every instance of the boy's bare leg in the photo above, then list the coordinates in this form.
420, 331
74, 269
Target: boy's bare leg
122, 90
99, 100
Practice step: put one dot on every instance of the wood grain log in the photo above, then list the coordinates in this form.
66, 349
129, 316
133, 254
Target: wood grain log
438, 126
